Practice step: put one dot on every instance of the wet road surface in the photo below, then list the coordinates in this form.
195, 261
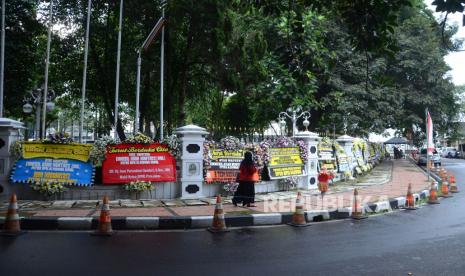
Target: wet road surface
428, 241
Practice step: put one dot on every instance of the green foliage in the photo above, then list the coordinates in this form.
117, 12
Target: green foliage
450, 6
355, 89
372, 22
23, 59
420, 74
139, 138
374, 64
99, 150
16, 150
59, 138
48, 188
174, 145
138, 186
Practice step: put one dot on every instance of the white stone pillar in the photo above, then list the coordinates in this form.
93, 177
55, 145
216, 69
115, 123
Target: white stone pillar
192, 138
9, 133
347, 144
311, 164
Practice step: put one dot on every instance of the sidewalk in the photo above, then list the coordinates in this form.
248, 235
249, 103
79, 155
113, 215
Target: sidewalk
385, 183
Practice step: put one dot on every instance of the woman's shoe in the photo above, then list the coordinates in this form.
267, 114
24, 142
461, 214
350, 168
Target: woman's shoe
251, 205
234, 202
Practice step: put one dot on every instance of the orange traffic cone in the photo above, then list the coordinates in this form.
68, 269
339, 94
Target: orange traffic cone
445, 188
104, 224
410, 199
218, 224
298, 218
11, 225
433, 193
453, 184
357, 211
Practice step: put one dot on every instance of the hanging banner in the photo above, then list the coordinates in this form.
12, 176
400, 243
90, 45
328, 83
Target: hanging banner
285, 162
359, 154
138, 162
63, 171
326, 156
342, 162
79, 152
224, 165
374, 153
325, 150
359, 157
429, 134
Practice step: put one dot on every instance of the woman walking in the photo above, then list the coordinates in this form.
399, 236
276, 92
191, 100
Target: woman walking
248, 175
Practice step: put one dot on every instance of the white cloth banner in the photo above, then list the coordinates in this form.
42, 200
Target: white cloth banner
429, 128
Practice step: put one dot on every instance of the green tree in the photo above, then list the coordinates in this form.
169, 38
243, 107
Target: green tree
375, 64
23, 60
420, 74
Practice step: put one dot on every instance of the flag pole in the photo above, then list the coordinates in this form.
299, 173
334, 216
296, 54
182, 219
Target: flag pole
2, 59
162, 75
84, 73
118, 58
47, 62
427, 145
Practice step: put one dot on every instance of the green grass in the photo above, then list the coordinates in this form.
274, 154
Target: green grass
377, 213
239, 213
421, 201
20, 213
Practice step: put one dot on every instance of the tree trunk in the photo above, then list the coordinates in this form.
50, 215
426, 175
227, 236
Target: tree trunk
185, 69
120, 130
147, 130
108, 98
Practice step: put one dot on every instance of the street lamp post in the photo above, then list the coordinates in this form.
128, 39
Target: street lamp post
148, 41
34, 100
47, 62
292, 114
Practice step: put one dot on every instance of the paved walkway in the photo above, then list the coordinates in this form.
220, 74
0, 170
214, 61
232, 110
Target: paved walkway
388, 180
403, 173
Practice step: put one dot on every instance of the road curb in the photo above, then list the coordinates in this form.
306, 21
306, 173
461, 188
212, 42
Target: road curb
74, 223
199, 222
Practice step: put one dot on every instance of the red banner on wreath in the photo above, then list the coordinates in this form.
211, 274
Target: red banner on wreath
144, 162
221, 176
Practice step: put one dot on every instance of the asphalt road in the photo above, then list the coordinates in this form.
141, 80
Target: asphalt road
428, 241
